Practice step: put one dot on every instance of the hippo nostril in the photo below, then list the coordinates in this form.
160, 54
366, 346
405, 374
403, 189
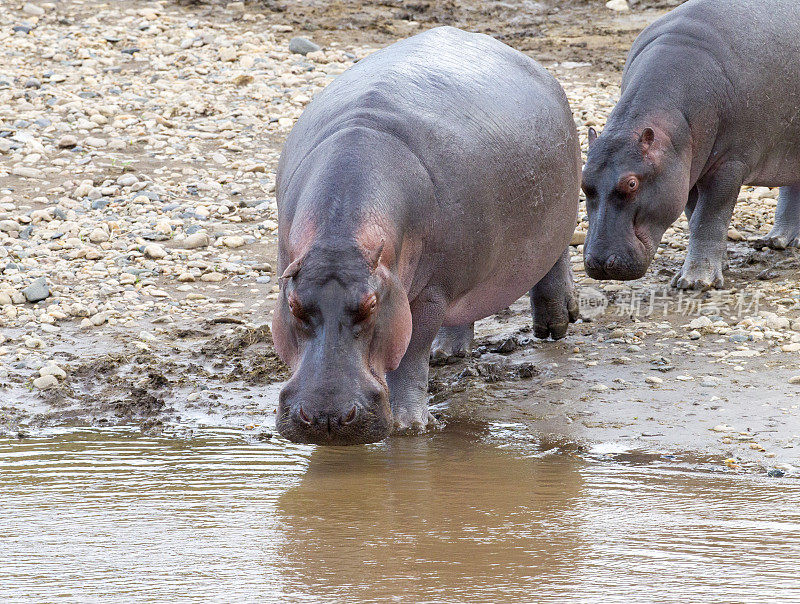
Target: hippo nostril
350, 417
612, 262
303, 417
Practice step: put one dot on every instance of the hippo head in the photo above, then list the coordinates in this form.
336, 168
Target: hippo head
636, 186
341, 323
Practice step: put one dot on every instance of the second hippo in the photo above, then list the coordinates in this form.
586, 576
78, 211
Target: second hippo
430, 185
710, 101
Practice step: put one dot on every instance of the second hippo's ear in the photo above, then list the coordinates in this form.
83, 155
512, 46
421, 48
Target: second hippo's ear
292, 270
374, 256
646, 140
592, 135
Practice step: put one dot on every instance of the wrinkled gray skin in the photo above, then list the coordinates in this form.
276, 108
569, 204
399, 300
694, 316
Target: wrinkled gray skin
710, 102
427, 187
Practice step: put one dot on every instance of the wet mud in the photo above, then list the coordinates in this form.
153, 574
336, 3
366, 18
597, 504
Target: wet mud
634, 380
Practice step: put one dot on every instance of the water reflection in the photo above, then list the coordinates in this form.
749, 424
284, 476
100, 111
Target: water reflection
478, 513
447, 518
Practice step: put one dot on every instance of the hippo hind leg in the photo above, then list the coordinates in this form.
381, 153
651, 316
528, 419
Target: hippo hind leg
786, 231
452, 343
553, 302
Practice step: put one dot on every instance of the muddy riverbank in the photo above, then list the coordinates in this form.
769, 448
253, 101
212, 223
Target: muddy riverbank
138, 144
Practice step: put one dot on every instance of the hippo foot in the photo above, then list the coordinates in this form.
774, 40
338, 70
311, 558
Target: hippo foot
552, 315
779, 239
700, 276
414, 419
451, 344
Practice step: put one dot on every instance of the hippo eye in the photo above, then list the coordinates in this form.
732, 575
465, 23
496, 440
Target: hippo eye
630, 184
366, 308
297, 309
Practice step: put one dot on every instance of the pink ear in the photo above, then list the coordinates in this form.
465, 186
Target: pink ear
374, 256
293, 268
399, 334
646, 140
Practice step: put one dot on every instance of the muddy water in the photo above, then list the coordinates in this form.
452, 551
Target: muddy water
477, 513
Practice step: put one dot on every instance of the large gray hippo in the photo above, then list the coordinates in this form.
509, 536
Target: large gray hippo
430, 185
710, 101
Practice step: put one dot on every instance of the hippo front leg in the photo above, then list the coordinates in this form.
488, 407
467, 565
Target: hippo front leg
408, 384
452, 343
708, 229
553, 302
786, 231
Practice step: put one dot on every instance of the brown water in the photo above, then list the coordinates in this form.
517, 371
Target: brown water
478, 513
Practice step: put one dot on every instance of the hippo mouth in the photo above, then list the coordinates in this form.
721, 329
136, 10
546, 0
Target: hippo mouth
625, 264
362, 419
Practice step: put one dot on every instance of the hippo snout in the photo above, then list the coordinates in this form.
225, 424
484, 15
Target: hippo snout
332, 420
614, 266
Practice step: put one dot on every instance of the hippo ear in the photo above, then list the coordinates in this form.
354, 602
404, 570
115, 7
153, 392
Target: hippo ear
374, 256
592, 135
646, 140
292, 270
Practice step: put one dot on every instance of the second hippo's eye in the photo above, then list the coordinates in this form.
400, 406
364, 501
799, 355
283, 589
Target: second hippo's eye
366, 308
630, 184
297, 309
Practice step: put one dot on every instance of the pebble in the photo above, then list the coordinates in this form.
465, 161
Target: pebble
618, 5
302, 46
53, 370
37, 290
196, 240
32, 9
155, 251
67, 142
651, 379
45, 382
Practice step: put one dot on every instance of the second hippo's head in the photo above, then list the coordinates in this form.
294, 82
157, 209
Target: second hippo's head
636, 186
342, 321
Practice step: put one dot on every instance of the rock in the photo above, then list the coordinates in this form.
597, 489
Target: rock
793, 347
196, 240
155, 251
227, 54
33, 9
37, 290
45, 381
67, 142
93, 141
53, 370
618, 5
27, 172
302, 46
700, 323
9, 226
186, 278
795, 379
578, 238
694, 335
233, 241
127, 180
98, 235
651, 379
735, 235
212, 277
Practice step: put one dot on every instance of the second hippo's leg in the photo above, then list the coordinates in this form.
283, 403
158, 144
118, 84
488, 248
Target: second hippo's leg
786, 231
452, 343
553, 302
708, 229
408, 384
